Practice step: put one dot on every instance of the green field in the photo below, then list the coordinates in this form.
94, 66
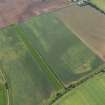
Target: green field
40, 57
99, 3
92, 92
24, 75
2, 95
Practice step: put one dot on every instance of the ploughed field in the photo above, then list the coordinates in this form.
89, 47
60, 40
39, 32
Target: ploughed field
41, 57
92, 92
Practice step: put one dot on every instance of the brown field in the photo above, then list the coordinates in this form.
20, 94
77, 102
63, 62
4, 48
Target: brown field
88, 23
12, 11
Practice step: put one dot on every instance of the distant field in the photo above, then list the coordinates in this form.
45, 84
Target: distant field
99, 3
40, 57
92, 92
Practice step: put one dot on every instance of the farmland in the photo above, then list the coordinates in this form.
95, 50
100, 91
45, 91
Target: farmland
88, 24
23, 73
59, 46
41, 57
99, 3
92, 92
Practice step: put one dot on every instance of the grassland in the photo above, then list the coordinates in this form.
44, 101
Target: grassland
42, 56
99, 3
92, 92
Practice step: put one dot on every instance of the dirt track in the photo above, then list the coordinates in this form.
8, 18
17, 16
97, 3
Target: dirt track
88, 23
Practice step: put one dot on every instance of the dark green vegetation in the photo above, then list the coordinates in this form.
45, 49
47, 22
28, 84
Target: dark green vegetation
92, 92
40, 57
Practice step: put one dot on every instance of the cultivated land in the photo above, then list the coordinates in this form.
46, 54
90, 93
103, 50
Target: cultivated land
42, 56
13, 11
92, 92
69, 58
88, 24
99, 3
24, 75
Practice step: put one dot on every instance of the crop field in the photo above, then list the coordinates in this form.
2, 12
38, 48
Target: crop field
68, 57
24, 75
99, 3
42, 56
92, 92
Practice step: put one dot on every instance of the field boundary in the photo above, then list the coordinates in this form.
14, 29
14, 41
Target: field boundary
78, 83
39, 58
96, 7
